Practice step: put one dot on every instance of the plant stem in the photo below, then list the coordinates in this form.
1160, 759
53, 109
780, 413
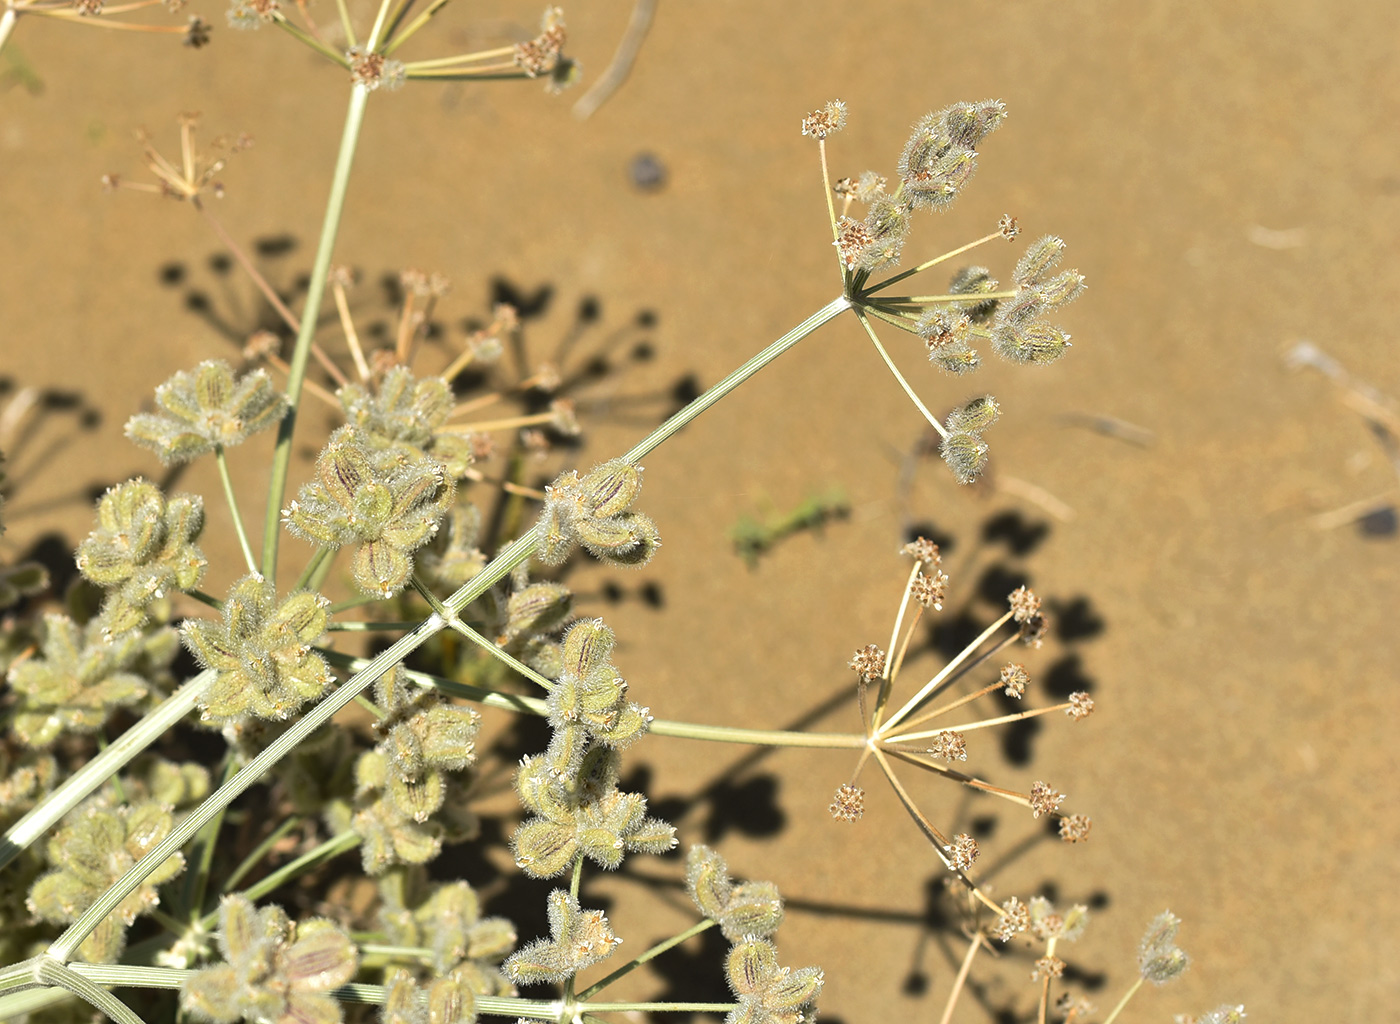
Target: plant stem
310, 314
963, 969
88, 991
332, 847
81, 784
7, 24
311, 567
650, 954
232, 500
933, 420
1124, 1001
943, 674
261, 851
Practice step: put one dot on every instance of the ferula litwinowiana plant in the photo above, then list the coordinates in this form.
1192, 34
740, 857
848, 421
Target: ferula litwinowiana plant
152, 872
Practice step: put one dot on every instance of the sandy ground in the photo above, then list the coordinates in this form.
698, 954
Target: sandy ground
1227, 178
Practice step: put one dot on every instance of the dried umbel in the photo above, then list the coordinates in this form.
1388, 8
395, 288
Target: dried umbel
261, 650
275, 972
143, 548
81, 676
207, 408
594, 511
578, 939
94, 847
386, 501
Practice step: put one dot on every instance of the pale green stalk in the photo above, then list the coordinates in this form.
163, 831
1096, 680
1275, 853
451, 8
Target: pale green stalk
87, 990
251, 861
332, 847
860, 314
310, 314
1124, 1001
658, 727
655, 951
7, 24
232, 500
82, 783
943, 674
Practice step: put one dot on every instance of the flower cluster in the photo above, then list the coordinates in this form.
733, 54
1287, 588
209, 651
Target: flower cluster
142, 548
405, 780
938, 159
261, 651
386, 500
207, 408
753, 909
93, 848
1018, 332
445, 918
578, 938
769, 993
593, 511
962, 447
276, 972
81, 676
448, 1000
1159, 958
408, 412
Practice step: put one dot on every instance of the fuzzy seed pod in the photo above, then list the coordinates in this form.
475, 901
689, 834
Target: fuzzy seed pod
975, 416
966, 455
1036, 342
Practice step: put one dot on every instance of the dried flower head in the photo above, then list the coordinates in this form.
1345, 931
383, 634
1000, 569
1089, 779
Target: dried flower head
541, 55
948, 746
1014, 678
930, 591
246, 15
261, 650
143, 547
578, 939
821, 123
1044, 800
207, 408
1081, 705
386, 501
1015, 918
963, 851
274, 972
1025, 606
1225, 1014
849, 803
1046, 923
93, 848
1048, 966
1074, 828
868, 663
923, 550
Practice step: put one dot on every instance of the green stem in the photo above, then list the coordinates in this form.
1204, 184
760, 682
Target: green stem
657, 1007
650, 954
311, 568
1124, 1001
414, 26
346, 23
933, 420
329, 849
310, 314
306, 37
209, 599
82, 783
197, 881
509, 659
369, 627
261, 851
233, 508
